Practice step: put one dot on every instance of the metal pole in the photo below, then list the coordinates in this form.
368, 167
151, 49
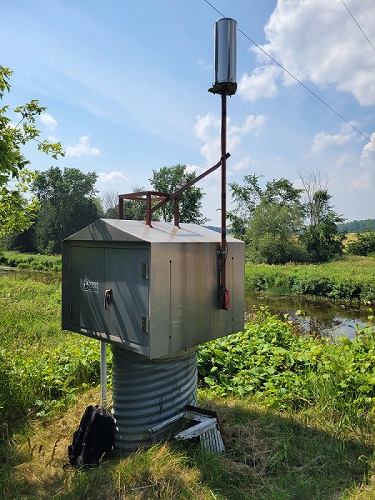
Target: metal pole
103, 373
120, 208
223, 248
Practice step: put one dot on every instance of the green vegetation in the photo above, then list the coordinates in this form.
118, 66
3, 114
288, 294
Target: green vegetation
297, 414
169, 180
364, 244
67, 202
281, 224
16, 210
348, 279
356, 226
284, 370
31, 261
41, 367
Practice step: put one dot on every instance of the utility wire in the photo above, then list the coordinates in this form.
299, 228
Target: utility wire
297, 80
355, 20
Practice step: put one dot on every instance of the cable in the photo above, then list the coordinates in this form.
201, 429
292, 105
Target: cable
355, 20
297, 80
218, 11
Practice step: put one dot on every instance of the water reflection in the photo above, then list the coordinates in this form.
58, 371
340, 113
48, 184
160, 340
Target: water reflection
316, 317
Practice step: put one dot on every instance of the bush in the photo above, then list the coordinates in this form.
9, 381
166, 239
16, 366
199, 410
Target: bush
35, 262
364, 245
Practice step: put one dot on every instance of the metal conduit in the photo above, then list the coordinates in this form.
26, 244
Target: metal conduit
148, 392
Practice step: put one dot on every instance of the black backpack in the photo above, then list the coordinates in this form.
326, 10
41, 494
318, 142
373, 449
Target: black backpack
93, 438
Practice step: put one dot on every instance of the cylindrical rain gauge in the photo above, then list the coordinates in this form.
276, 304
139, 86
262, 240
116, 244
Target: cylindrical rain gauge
225, 56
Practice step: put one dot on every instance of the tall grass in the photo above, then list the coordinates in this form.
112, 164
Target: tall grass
41, 367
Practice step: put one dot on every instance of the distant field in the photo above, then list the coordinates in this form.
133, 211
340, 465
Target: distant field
350, 237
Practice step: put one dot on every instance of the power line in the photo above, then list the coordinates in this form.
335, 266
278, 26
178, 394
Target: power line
297, 80
355, 20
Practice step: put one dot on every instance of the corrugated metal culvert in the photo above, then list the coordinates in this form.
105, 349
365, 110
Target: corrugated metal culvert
148, 392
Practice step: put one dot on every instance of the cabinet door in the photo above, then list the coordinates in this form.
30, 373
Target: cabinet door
127, 314
87, 288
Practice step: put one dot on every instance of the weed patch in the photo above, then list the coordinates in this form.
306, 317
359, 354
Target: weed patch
284, 370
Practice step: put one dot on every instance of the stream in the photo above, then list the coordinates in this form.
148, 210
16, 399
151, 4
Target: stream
317, 317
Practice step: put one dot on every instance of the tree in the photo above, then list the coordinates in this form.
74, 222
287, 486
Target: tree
133, 209
68, 203
321, 235
272, 232
246, 197
268, 219
279, 226
16, 211
170, 179
363, 245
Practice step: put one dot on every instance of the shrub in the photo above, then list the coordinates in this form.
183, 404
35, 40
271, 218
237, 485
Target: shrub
364, 245
269, 361
35, 262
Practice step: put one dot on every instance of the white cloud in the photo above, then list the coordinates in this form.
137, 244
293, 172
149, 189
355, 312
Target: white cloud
48, 121
82, 148
323, 141
318, 41
204, 125
52, 138
207, 128
261, 83
111, 177
353, 172
193, 169
243, 164
367, 165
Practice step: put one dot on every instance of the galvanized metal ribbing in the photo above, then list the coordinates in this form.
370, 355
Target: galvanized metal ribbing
148, 392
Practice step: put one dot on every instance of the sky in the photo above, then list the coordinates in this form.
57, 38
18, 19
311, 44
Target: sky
126, 85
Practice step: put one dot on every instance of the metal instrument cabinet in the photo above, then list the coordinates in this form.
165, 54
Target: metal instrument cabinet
151, 290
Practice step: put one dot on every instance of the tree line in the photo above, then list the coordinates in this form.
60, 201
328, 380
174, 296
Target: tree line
357, 226
278, 222
67, 201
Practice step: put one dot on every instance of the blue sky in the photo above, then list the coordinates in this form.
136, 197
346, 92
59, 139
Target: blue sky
126, 87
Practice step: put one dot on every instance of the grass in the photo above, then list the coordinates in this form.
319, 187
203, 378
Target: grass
41, 367
304, 430
352, 278
269, 455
